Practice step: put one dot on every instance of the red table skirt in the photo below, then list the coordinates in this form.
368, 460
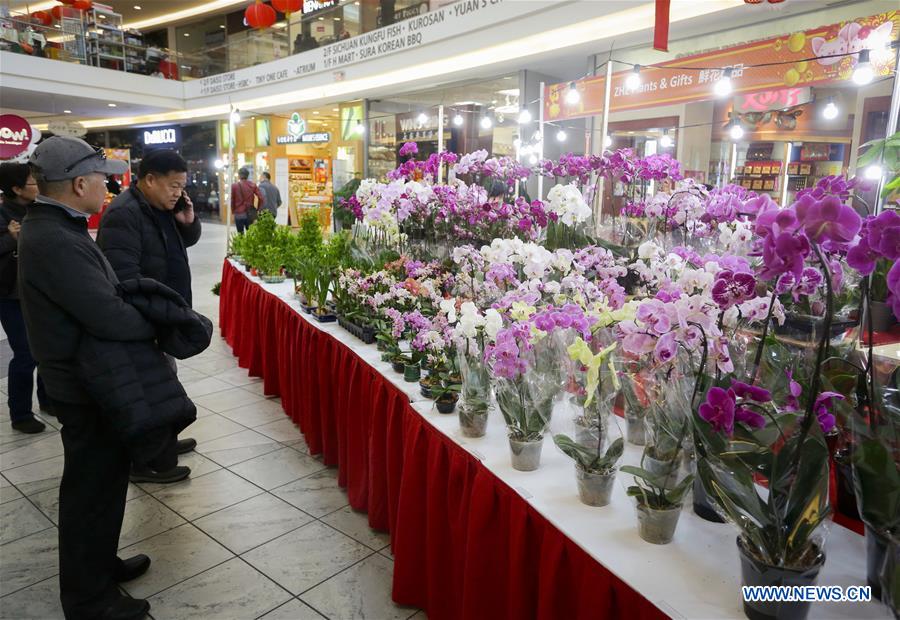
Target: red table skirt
465, 544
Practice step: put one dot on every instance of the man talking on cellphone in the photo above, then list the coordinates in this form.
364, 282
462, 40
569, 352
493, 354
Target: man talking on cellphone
145, 233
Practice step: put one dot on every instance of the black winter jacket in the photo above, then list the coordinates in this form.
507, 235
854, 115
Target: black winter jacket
68, 289
132, 239
133, 382
9, 211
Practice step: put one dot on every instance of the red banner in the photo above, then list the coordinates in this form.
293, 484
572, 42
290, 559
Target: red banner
16, 136
808, 57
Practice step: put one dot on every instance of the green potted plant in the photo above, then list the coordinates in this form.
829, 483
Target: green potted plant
595, 470
658, 502
445, 394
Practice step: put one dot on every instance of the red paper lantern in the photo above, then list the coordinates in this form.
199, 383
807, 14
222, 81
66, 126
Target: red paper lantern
260, 16
287, 6
83, 5
57, 12
43, 17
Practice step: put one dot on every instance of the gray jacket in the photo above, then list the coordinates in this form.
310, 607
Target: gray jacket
273, 196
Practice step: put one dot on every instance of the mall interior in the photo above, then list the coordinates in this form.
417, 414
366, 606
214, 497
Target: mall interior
550, 219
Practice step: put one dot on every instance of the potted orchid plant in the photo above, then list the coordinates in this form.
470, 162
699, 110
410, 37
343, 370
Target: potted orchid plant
595, 469
473, 331
745, 432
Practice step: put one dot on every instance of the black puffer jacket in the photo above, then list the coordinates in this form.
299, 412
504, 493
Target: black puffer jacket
9, 263
132, 239
133, 382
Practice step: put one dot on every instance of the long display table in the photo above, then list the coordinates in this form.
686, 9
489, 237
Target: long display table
471, 537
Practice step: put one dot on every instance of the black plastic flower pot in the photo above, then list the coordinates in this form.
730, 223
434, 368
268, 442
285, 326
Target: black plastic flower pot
425, 390
876, 553
398, 367
757, 573
367, 335
445, 406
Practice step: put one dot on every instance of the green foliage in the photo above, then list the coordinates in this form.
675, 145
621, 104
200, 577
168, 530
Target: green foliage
343, 215
651, 490
887, 153
216, 289
589, 460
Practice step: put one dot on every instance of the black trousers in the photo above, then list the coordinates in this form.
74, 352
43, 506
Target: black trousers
91, 509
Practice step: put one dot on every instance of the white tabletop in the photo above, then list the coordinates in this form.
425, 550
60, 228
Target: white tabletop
696, 576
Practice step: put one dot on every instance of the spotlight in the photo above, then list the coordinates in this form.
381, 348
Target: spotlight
67, 111
723, 86
517, 143
863, 73
112, 105
360, 129
533, 160
458, 120
561, 135
830, 111
219, 164
666, 140
607, 141
537, 136
736, 131
422, 118
572, 95
874, 172
633, 81
486, 122
524, 116
235, 117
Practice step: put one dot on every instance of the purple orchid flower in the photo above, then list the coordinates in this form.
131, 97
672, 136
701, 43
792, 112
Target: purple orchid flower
718, 410
751, 392
732, 288
822, 409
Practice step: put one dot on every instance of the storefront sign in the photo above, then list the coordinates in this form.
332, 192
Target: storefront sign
163, 137
401, 14
307, 138
664, 84
17, 137
311, 6
296, 127
443, 23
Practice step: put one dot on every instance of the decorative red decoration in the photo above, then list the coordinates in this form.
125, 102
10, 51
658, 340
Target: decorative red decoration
260, 16
57, 12
83, 5
287, 6
43, 17
661, 28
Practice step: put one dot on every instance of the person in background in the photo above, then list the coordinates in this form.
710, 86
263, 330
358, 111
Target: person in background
145, 233
19, 191
242, 205
112, 185
68, 290
273, 196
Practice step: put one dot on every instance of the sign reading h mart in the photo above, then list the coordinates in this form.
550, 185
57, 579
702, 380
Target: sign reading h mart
447, 22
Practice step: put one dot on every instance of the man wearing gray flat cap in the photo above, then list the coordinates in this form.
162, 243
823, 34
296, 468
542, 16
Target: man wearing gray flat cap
68, 291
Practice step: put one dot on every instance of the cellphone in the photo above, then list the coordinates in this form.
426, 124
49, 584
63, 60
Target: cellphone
181, 204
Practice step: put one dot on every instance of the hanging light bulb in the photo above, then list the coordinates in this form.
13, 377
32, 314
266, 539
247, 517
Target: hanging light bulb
607, 141
517, 143
486, 122
863, 73
723, 86
219, 164
874, 172
736, 130
235, 117
524, 116
666, 140
830, 111
537, 136
359, 129
633, 81
533, 160
561, 135
572, 95
422, 118
458, 120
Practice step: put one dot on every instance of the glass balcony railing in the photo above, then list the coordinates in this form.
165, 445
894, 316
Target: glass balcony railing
205, 48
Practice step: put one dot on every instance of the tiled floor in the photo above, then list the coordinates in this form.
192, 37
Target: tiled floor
260, 530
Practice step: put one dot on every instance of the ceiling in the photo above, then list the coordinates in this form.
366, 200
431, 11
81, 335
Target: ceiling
39, 106
149, 9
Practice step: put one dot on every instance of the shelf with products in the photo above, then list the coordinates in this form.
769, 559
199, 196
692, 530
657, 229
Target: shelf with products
309, 180
812, 161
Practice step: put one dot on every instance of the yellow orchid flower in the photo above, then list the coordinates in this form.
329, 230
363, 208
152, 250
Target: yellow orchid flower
580, 352
520, 311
